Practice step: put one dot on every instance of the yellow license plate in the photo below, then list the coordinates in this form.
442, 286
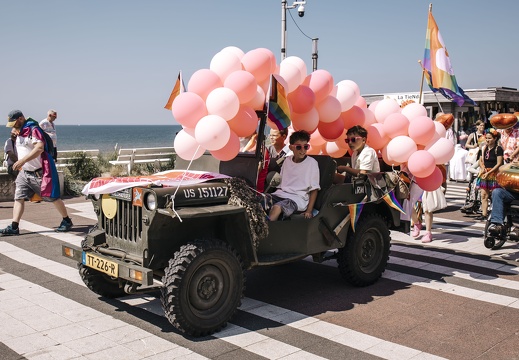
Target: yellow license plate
106, 266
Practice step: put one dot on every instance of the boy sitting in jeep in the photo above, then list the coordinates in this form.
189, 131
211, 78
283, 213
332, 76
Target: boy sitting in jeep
299, 181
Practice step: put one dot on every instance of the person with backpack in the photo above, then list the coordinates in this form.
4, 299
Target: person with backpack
11, 155
38, 173
48, 126
490, 160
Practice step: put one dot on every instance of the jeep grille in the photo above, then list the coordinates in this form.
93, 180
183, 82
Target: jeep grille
126, 224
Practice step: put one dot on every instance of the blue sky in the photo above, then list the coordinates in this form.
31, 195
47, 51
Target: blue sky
115, 62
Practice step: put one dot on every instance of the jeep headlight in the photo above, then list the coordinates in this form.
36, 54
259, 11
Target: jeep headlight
151, 201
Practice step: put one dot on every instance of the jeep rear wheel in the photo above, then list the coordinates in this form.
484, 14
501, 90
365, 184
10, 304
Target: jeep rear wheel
100, 283
203, 287
364, 258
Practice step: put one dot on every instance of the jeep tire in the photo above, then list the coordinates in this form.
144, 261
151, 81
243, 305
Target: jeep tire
203, 287
100, 283
364, 258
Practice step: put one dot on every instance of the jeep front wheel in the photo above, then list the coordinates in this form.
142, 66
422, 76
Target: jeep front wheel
203, 287
364, 258
100, 283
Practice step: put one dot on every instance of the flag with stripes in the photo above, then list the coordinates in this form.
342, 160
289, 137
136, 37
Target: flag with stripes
278, 108
177, 90
355, 210
437, 66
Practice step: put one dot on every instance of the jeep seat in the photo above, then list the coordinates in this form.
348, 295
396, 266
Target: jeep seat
327, 169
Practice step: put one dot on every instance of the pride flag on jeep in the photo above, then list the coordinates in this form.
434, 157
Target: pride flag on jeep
278, 109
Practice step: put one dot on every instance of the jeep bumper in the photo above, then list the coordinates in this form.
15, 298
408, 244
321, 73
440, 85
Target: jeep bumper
111, 266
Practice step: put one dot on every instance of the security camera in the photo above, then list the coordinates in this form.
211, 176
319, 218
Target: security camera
301, 10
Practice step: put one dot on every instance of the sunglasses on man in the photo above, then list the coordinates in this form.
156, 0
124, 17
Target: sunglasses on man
299, 147
352, 139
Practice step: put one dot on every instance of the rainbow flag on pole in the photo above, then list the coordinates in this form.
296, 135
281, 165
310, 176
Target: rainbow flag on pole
437, 66
278, 109
177, 90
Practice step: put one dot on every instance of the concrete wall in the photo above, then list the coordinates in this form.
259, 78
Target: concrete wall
7, 186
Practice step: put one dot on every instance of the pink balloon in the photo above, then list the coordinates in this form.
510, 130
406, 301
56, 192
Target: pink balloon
369, 118
347, 93
302, 99
307, 121
400, 148
329, 109
377, 137
373, 105
258, 101
291, 74
243, 84
212, 132
439, 128
273, 63
315, 149
188, 108
432, 182
224, 63
235, 50
414, 110
230, 150
421, 163
361, 102
331, 131
385, 108
223, 102
421, 130
395, 125
258, 63
297, 61
186, 145
321, 83
204, 81
335, 151
388, 160
245, 122
316, 139
442, 150
353, 116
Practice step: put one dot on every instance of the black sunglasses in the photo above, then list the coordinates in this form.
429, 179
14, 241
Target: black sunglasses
305, 146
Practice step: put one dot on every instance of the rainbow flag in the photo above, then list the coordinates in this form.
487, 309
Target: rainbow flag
278, 109
355, 210
391, 200
177, 90
437, 66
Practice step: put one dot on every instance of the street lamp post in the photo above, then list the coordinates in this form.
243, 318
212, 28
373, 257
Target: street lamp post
284, 7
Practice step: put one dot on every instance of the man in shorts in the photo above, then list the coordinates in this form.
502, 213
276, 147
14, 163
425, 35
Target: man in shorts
38, 174
299, 181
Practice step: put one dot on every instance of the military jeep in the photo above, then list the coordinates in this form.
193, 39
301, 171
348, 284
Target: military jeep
195, 242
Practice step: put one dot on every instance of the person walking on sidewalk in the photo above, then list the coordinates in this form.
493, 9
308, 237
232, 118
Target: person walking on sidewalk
48, 126
38, 174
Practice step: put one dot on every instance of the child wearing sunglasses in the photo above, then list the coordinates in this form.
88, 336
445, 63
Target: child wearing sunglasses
364, 159
299, 181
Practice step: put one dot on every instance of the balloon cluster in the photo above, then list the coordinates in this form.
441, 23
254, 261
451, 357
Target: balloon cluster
221, 102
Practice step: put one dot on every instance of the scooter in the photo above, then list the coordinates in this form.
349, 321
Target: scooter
496, 239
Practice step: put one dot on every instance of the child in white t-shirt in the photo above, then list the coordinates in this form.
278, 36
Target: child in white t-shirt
299, 180
364, 159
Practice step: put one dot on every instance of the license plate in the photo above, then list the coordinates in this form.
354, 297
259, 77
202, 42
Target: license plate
95, 262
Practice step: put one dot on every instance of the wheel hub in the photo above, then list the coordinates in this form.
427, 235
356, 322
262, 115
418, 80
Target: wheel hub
206, 288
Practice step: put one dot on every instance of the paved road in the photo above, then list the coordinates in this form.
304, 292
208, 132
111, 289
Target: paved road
452, 298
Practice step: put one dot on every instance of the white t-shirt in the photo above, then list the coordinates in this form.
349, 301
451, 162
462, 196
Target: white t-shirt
50, 129
24, 146
297, 180
366, 160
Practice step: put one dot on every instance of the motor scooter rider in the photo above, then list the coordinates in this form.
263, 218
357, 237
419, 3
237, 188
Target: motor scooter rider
501, 200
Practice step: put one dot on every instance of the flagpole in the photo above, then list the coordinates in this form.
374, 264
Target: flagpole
421, 82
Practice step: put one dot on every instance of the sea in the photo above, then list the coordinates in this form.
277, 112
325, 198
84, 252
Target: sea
107, 138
